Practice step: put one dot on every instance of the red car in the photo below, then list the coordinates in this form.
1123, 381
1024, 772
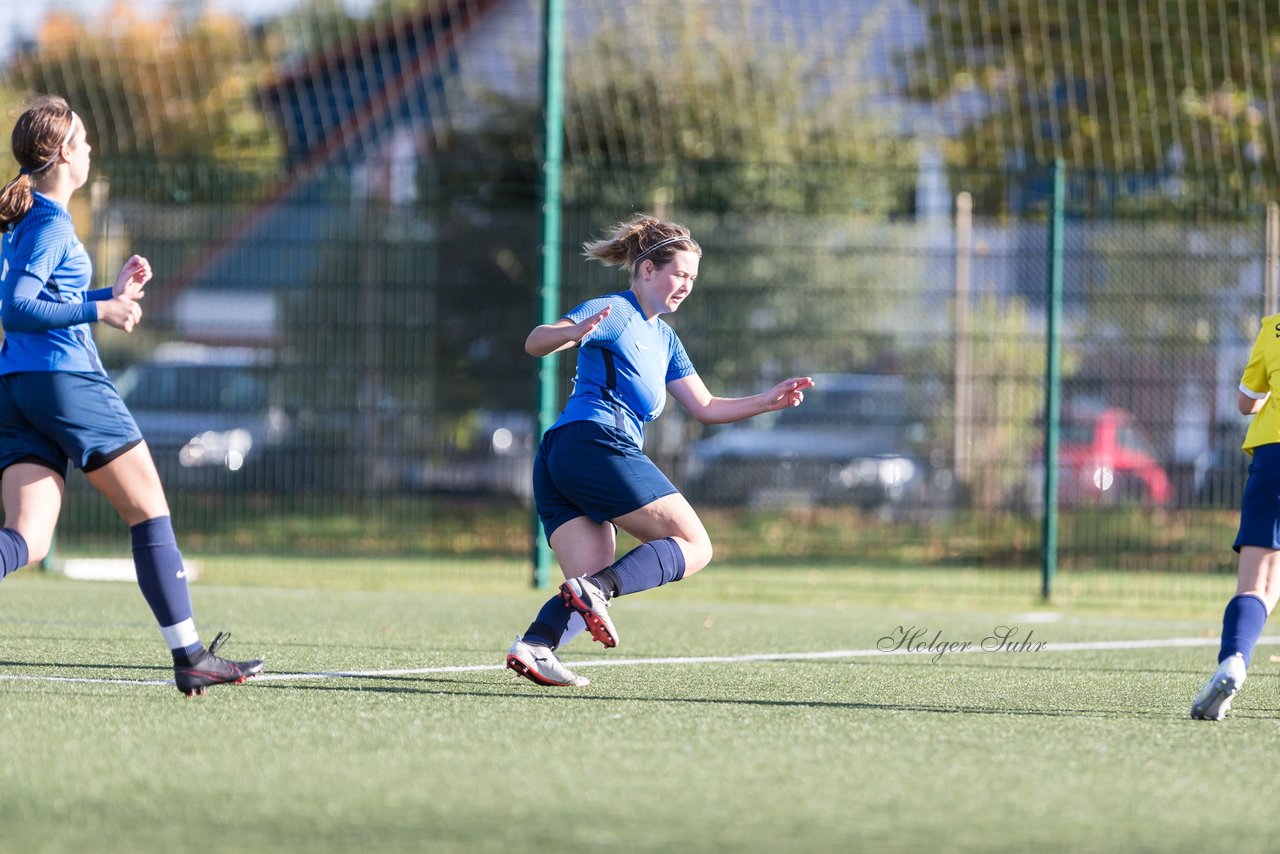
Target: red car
1104, 457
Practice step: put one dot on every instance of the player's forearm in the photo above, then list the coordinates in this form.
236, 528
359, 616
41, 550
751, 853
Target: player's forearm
22, 310
726, 410
547, 339
31, 315
1251, 405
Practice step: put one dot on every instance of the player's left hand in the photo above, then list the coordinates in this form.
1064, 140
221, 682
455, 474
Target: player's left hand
135, 273
788, 393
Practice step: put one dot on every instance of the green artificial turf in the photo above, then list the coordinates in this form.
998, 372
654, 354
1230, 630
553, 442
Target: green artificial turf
1068, 750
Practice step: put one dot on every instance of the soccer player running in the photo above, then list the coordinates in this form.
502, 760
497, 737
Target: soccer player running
57, 405
591, 474
1258, 540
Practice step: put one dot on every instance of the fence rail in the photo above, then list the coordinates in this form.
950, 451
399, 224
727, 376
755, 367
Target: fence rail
360, 386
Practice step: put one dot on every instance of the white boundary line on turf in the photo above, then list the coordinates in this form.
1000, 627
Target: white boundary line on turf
835, 654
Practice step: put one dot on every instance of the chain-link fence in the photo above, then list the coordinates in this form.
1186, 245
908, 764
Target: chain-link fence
343, 211
354, 381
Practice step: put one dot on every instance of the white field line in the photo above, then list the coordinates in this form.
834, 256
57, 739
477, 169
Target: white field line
836, 654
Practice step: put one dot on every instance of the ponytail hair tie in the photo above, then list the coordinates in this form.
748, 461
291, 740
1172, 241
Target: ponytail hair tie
24, 171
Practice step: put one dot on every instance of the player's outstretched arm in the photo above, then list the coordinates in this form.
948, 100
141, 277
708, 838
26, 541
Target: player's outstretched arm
708, 409
553, 337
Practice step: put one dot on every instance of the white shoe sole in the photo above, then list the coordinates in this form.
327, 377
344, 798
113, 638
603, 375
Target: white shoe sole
515, 663
1215, 706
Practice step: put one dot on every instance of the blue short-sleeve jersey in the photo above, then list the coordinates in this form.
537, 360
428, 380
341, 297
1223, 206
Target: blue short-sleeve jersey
43, 245
624, 366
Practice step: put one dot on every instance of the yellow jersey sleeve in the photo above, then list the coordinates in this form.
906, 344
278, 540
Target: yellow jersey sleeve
1261, 379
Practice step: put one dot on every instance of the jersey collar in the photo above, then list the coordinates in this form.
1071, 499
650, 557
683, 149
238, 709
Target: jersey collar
630, 296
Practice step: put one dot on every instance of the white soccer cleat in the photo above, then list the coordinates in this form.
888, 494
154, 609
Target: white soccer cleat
586, 597
1214, 700
539, 664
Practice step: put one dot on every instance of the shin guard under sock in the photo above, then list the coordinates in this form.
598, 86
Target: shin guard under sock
163, 581
648, 565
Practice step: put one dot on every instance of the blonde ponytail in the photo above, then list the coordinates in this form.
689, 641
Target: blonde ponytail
641, 237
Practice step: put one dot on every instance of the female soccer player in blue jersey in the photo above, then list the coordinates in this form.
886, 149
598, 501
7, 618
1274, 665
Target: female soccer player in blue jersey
591, 473
1258, 540
57, 405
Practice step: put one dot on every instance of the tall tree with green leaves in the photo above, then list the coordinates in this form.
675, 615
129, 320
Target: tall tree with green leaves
1162, 111
770, 143
169, 100
1127, 86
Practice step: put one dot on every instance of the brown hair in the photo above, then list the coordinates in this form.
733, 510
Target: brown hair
39, 133
642, 237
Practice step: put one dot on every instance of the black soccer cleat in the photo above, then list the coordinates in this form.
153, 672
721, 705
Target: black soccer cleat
211, 669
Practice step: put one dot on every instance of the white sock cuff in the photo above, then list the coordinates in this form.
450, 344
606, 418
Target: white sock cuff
181, 635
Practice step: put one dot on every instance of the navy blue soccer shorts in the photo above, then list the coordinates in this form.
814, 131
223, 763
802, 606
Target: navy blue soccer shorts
585, 468
1260, 508
53, 418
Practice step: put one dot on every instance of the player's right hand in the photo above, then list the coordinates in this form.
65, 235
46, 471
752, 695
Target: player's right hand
120, 312
584, 328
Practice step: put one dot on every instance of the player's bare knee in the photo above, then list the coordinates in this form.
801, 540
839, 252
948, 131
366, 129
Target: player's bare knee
697, 554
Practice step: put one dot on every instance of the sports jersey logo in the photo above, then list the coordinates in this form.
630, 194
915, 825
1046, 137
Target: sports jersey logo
640, 346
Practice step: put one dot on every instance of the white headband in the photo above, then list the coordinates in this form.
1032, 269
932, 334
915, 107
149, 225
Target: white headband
71, 132
659, 245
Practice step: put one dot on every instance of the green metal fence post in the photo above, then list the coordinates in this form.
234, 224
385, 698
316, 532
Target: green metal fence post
1053, 381
549, 305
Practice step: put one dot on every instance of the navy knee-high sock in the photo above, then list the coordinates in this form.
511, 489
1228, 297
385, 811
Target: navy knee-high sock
1242, 624
549, 626
648, 565
13, 551
163, 581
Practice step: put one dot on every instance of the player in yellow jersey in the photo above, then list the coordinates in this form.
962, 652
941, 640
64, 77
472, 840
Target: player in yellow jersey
1258, 541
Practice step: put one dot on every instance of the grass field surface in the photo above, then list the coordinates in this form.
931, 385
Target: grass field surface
731, 718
